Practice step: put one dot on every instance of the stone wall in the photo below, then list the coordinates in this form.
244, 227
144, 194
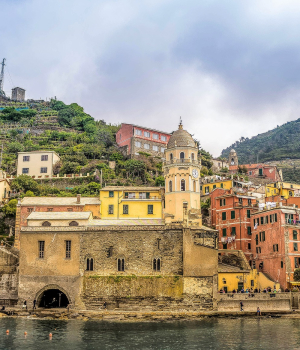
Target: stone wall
8, 276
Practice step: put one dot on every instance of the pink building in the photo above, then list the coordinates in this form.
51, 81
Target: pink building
134, 139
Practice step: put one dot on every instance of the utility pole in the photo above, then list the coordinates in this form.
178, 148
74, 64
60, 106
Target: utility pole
2, 93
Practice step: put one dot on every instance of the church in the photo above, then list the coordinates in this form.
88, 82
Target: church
146, 250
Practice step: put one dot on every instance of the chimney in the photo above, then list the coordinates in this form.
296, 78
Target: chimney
78, 199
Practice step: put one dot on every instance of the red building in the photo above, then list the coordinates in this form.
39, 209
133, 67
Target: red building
134, 139
230, 215
263, 171
276, 243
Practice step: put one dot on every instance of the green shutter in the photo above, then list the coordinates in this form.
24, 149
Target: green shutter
147, 195
224, 215
233, 231
248, 213
224, 232
233, 214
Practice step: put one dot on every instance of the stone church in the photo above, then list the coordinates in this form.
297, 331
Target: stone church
169, 263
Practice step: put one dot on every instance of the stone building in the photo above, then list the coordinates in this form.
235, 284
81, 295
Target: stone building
18, 94
233, 158
134, 139
69, 257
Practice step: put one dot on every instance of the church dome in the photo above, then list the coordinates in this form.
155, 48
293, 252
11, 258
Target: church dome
232, 151
181, 138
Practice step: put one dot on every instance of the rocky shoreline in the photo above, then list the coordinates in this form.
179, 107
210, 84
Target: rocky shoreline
138, 316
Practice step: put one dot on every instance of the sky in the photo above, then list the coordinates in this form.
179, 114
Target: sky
229, 68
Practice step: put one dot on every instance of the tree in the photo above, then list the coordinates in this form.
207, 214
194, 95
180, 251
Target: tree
24, 183
160, 181
15, 147
297, 275
10, 208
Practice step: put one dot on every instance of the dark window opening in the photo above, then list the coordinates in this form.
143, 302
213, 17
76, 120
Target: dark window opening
46, 223
150, 208
111, 194
125, 209
110, 252
121, 264
182, 185
89, 264
156, 264
41, 249
68, 249
73, 223
53, 298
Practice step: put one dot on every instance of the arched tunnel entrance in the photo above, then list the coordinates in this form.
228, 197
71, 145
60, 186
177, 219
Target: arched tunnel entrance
53, 298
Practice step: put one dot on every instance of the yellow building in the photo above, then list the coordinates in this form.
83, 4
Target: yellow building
4, 190
206, 188
119, 202
283, 189
182, 174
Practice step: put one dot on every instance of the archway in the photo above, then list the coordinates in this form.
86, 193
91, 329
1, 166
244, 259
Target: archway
52, 297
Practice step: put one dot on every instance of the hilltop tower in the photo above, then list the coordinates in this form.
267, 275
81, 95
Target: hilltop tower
233, 159
182, 173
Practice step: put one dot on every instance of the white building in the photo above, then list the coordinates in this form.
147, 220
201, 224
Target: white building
36, 163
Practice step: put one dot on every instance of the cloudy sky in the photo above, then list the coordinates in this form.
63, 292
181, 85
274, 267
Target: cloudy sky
229, 68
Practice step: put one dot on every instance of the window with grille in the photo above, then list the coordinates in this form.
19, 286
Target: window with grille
26, 158
41, 249
44, 157
25, 170
111, 209
156, 264
125, 208
68, 249
44, 170
150, 209
121, 264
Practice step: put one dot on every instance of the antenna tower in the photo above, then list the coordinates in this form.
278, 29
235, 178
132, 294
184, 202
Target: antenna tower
2, 93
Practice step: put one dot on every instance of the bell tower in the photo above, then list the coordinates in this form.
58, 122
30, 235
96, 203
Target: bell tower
233, 159
182, 173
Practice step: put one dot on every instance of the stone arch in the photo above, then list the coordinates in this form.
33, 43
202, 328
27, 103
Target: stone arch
40, 293
46, 223
73, 223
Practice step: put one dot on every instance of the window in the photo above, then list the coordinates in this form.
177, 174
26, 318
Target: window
266, 219
262, 220
110, 194
256, 239
275, 247
194, 186
46, 223
294, 235
275, 217
249, 246
121, 264
271, 219
233, 214
182, 185
73, 223
89, 264
250, 172
249, 230
221, 184
162, 149
224, 215
233, 231
150, 208
138, 144
26, 158
249, 201
125, 208
138, 132
252, 283
111, 209
262, 237
163, 138
170, 186
146, 133
155, 136
68, 249
295, 247
258, 250
297, 262
224, 231
146, 146
25, 170
41, 249
44, 170
155, 148
29, 210
44, 157
214, 186
49, 209
171, 156
207, 189
240, 200
248, 213
181, 157
281, 264
158, 243
156, 264
70, 209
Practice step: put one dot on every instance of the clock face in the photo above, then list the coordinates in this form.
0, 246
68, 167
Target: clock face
195, 173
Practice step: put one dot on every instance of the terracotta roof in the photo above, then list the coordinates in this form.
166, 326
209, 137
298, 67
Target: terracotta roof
72, 215
181, 138
59, 201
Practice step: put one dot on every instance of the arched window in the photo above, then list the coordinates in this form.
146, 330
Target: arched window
171, 157
182, 185
156, 264
232, 161
181, 157
170, 186
121, 264
73, 223
90, 264
46, 223
194, 186
192, 157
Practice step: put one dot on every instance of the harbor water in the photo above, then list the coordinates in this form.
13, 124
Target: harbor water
216, 333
